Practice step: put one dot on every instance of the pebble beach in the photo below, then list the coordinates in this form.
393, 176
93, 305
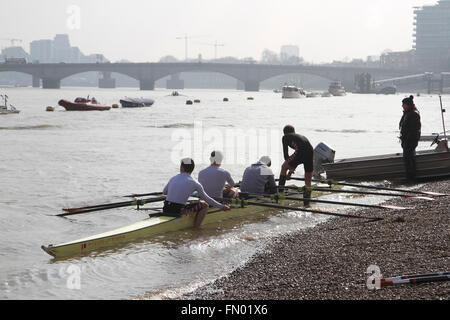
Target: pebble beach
330, 261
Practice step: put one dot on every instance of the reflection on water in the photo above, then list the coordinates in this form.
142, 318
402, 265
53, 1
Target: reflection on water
52, 160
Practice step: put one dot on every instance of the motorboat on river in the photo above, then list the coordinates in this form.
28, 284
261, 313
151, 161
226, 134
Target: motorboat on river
292, 92
83, 104
136, 102
336, 89
4, 109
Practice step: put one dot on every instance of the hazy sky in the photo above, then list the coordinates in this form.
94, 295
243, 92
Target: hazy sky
146, 30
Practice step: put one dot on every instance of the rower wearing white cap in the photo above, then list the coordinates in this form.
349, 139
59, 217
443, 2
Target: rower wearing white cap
214, 179
259, 178
180, 188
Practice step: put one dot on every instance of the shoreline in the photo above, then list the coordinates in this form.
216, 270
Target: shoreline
330, 260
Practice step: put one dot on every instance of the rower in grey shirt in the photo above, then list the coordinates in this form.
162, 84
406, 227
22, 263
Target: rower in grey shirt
214, 178
259, 178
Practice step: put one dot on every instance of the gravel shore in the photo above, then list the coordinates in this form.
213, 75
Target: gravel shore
330, 261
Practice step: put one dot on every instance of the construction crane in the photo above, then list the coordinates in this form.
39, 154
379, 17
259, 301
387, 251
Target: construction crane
186, 38
13, 41
215, 44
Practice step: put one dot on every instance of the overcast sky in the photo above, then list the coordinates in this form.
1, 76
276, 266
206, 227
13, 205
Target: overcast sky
146, 30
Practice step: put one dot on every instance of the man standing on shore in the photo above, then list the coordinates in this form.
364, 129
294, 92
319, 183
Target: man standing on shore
303, 153
410, 132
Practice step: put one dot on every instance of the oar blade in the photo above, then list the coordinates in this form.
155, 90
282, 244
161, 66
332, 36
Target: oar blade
395, 207
419, 197
436, 194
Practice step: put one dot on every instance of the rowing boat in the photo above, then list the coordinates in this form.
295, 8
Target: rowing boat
148, 228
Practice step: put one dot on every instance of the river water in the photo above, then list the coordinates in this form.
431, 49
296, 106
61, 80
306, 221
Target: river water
52, 160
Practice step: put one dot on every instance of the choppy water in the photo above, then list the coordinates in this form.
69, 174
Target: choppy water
51, 160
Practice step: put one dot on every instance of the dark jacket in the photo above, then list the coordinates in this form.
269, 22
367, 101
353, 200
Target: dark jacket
410, 128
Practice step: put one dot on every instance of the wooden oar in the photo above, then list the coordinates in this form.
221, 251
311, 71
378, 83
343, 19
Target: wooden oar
282, 197
243, 202
362, 192
332, 182
139, 202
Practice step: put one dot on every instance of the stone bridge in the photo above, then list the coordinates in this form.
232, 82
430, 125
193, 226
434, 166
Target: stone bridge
147, 73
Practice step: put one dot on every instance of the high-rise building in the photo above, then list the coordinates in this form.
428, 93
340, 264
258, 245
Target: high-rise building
432, 36
41, 51
62, 50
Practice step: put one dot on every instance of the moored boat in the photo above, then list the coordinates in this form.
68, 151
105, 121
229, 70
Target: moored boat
430, 164
312, 95
4, 109
136, 102
336, 89
83, 104
8, 110
292, 92
387, 90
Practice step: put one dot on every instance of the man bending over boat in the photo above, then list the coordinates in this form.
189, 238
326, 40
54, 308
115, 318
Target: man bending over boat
303, 153
214, 179
180, 188
259, 178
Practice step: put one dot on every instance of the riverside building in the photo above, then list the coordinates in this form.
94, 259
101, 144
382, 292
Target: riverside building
432, 36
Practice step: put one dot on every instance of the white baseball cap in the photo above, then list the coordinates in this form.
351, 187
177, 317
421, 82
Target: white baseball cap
186, 161
217, 157
266, 160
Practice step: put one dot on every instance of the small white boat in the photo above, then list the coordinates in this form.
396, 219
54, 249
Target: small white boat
4, 109
336, 89
292, 92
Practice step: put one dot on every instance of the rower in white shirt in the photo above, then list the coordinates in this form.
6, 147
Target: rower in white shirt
214, 179
180, 188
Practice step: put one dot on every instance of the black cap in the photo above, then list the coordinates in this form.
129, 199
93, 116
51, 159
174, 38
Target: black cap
409, 101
